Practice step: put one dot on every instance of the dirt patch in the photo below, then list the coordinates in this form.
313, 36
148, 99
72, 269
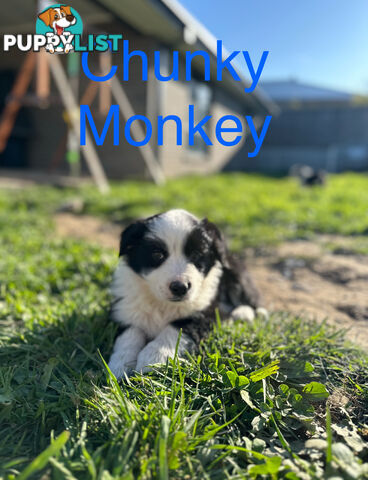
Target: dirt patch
342, 270
317, 284
89, 228
357, 312
300, 277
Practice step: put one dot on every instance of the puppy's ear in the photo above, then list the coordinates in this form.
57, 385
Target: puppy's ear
131, 235
218, 241
66, 9
46, 17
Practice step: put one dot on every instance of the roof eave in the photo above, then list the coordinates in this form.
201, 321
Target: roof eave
179, 22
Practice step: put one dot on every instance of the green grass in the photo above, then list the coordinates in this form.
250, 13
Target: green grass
251, 209
279, 399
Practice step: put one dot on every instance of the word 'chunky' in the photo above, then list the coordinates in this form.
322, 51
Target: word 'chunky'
222, 65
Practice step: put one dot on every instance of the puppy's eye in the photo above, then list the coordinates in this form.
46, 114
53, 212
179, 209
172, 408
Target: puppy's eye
158, 256
195, 256
56, 17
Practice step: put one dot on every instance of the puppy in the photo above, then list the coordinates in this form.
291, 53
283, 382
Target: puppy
308, 176
174, 271
58, 19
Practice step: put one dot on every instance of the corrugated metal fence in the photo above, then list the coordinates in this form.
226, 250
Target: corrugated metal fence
333, 138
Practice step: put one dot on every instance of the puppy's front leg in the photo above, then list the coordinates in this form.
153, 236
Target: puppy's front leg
161, 348
126, 349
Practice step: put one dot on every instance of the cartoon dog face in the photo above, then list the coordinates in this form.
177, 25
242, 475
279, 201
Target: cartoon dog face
58, 18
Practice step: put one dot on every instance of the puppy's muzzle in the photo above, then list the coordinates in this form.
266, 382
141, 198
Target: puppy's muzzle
179, 290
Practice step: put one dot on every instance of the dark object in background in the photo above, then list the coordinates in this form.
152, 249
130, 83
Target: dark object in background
308, 176
15, 154
76, 205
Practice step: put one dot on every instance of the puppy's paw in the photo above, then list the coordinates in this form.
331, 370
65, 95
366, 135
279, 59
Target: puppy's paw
120, 368
243, 312
126, 349
262, 313
152, 355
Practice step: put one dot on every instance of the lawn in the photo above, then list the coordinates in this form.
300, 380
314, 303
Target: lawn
286, 398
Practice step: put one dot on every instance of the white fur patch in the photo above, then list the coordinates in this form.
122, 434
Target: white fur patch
161, 348
262, 313
140, 306
126, 349
248, 314
243, 312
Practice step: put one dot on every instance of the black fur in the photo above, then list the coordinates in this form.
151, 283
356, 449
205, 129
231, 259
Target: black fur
236, 287
198, 326
143, 254
200, 248
131, 236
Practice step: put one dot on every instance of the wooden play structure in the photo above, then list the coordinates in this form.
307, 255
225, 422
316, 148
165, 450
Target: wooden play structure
46, 67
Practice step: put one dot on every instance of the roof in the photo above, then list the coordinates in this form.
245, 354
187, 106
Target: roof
292, 90
170, 22
165, 20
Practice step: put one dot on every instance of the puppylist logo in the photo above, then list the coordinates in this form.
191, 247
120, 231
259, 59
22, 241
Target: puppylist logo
60, 24
59, 29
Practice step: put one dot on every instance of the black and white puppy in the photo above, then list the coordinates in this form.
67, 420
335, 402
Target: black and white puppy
174, 271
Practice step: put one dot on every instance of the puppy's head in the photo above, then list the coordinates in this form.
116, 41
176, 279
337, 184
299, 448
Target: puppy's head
58, 18
174, 253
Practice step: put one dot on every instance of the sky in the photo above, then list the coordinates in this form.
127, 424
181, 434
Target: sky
320, 42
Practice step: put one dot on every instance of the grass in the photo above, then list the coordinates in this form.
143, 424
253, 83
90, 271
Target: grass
252, 210
279, 399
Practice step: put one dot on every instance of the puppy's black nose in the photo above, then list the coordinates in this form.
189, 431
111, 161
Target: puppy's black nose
70, 18
179, 289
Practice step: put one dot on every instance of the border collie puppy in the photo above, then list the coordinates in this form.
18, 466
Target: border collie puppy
174, 271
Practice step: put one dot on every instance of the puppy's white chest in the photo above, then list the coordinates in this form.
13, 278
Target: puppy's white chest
151, 322
151, 317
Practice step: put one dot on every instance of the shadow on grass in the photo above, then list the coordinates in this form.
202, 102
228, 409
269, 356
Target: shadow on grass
46, 374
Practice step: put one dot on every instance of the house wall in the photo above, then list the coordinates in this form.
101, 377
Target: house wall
180, 160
